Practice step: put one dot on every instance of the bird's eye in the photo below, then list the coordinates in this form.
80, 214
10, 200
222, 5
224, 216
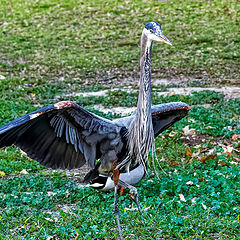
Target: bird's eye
151, 30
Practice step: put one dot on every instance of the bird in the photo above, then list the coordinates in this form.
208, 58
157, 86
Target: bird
67, 136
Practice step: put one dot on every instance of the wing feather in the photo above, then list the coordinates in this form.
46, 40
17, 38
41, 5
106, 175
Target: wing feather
56, 135
165, 115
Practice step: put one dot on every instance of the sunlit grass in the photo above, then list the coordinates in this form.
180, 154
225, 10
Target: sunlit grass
49, 49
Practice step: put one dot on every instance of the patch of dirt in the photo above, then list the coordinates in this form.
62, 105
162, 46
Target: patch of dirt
228, 91
67, 208
198, 139
124, 111
88, 94
76, 174
119, 76
122, 77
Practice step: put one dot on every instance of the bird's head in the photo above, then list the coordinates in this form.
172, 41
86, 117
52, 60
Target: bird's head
153, 32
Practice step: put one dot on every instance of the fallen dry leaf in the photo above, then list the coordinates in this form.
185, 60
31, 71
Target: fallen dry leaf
157, 150
226, 142
189, 183
188, 152
205, 158
193, 200
228, 150
210, 127
223, 164
187, 131
174, 164
24, 172
191, 120
196, 154
182, 198
202, 179
234, 137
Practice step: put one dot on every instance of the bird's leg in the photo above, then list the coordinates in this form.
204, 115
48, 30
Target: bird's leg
116, 210
132, 192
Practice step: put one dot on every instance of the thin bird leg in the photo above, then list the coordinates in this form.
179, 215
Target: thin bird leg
132, 192
116, 210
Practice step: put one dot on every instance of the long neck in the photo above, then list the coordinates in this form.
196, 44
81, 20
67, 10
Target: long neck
141, 135
144, 97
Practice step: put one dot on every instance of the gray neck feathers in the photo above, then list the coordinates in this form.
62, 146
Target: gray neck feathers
141, 134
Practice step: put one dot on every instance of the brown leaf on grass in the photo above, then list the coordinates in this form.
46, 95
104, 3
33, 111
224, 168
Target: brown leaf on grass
157, 150
188, 152
226, 142
187, 131
205, 158
202, 179
223, 164
228, 150
234, 137
174, 164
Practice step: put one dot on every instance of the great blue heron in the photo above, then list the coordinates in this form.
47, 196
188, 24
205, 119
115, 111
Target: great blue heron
65, 135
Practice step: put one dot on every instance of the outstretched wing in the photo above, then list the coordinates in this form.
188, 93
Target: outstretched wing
165, 115
63, 135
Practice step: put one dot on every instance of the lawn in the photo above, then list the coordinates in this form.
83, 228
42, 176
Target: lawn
60, 50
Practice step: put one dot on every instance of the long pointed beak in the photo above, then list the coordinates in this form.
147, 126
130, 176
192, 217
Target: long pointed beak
164, 39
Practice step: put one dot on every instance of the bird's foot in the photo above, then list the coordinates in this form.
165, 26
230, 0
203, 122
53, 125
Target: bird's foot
132, 192
134, 196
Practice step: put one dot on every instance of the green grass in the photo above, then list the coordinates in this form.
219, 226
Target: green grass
211, 207
52, 48
42, 204
53, 43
